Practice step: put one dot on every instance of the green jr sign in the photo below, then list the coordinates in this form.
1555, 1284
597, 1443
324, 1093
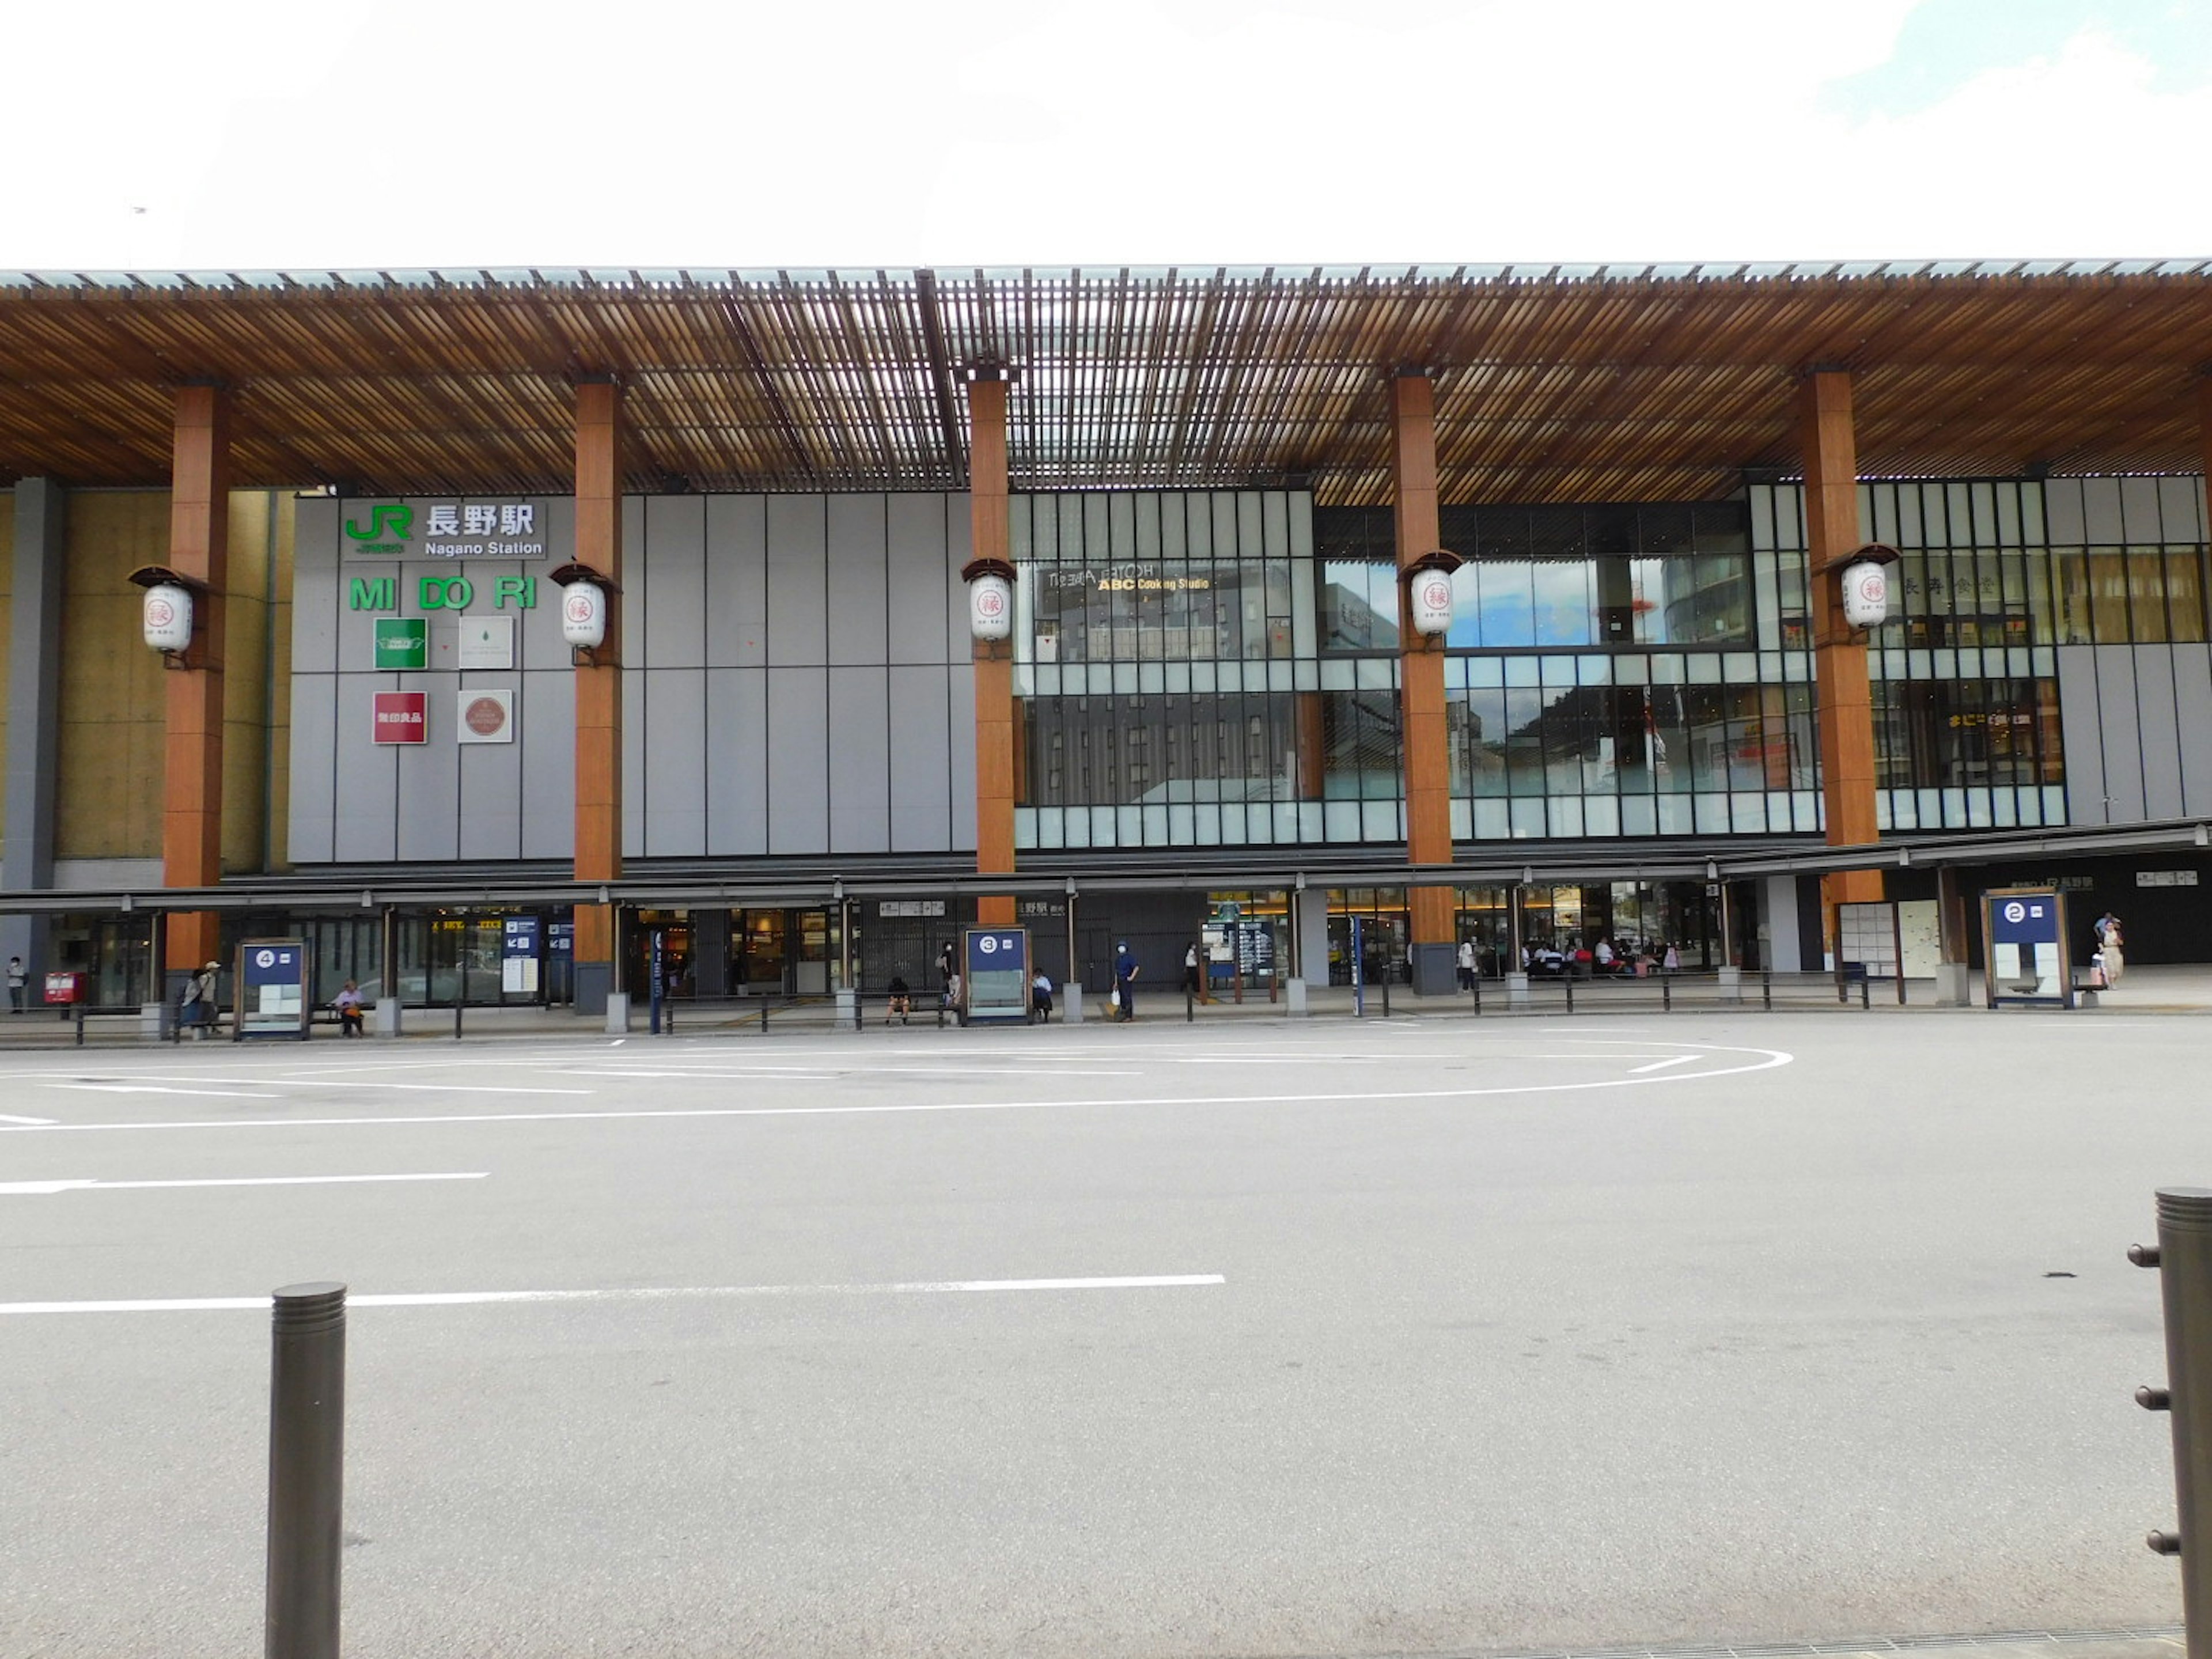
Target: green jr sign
403, 642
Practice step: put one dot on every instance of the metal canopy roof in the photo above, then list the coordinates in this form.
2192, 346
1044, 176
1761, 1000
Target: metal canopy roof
1554, 382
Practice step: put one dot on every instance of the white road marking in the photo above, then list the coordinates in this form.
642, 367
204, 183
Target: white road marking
33, 1188
825, 1073
158, 1089
1662, 1065
5, 1118
1766, 1060
317, 1083
482, 1299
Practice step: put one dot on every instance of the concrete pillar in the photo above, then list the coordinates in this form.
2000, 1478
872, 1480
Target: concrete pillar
599, 691
989, 536
191, 782
34, 669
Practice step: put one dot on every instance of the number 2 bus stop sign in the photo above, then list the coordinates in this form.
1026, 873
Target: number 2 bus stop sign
272, 989
2025, 961
995, 984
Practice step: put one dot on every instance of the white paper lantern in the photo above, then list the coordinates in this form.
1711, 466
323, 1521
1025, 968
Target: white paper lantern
1866, 593
167, 614
1432, 603
990, 607
584, 615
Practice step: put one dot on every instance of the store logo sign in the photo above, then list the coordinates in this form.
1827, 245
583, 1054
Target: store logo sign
402, 717
403, 642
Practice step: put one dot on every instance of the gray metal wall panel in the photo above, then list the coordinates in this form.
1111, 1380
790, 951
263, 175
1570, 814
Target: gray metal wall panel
674, 745
313, 813
676, 557
316, 600
2181, 508
636, 577
490, 773
2192, 700
921, 760
798, 569
959, 550
367, 831
2064, 525
428, 790
736, 769
2081, 732
637, 717
859, 761
2161, 736
545, 717
859, 587
2100, 512
2121, 745
798, 757
960, 685
916, 584
2139, 510
737, 582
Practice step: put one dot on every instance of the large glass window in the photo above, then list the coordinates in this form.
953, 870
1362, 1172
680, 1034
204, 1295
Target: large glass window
1966, 734
1164, 749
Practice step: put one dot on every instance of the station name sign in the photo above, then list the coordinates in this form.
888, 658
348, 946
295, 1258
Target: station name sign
442, 530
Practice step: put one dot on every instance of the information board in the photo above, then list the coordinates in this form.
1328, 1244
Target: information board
272, 989
995, 985
2025, 956
518, 956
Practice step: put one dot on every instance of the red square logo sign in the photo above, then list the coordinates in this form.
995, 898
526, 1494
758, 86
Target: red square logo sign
402, 717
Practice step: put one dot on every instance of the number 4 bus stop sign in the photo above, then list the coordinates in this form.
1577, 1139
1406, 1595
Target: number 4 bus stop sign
272, 989
995, 985
2024, 960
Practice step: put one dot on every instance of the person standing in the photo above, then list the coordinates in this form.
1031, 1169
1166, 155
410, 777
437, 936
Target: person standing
945, 965
1041, 995
2116, 960
1466, 964
1125, 982
195, 1005
1190, 984
16, 982
1673, 961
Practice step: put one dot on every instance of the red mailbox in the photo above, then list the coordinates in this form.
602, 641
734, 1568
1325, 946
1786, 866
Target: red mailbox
65, 988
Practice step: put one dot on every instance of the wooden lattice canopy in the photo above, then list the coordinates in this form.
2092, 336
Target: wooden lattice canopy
1553, 384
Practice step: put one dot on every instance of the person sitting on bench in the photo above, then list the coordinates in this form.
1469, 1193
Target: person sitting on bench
1041, 995
901, 1001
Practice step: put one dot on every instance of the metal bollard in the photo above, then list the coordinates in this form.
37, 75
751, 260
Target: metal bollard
1189, 1006
457, 1016
1866, 991
80, 1025
1766, 989
1386, 992
306, 1471
1478, 994
2183, 1255
1667, 995
1569, 981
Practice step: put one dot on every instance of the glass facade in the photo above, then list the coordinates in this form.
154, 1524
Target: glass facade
1222, 669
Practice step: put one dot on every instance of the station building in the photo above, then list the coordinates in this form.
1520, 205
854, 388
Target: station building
1210, 715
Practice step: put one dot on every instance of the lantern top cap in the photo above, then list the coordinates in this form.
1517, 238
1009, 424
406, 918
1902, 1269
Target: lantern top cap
1436, 559
1872, 553
157, 575
977, 568
569, 574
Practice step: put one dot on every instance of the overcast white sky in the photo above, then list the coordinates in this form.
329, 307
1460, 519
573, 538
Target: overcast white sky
239, 134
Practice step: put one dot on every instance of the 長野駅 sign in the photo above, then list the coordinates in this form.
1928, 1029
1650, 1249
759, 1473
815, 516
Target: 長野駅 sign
443, 529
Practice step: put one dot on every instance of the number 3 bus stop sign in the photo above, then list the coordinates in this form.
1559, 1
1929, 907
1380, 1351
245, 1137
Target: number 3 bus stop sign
272, 989
2024, 956
996, 983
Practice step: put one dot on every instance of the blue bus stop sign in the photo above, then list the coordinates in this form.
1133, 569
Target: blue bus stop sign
995, 978
2025, 961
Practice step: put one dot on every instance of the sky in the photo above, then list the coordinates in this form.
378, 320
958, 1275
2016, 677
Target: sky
258, 134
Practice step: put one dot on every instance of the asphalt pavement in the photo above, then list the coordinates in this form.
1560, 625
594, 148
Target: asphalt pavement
1243, 1338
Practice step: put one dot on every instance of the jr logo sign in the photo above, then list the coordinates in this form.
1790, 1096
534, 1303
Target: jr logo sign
389, 526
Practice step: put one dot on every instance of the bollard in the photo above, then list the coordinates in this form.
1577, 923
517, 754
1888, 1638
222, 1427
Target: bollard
80, 1025
1866, 991
1667, 995
1569, 982
1386, 992
457, 1016
2183, 1256
1766, 989
307, 1469
1189, 1006
1478, 994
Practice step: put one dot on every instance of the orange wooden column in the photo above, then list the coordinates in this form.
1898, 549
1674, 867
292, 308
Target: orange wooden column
1845, 709
1423, 727
995, 658
191, 783
599, 689
2204, 433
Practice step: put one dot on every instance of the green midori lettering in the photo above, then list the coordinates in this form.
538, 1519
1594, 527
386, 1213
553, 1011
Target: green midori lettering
445, 592
403, 642
375, 594
523, 590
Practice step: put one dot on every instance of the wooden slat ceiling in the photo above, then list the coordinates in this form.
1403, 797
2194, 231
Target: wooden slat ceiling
1553, 384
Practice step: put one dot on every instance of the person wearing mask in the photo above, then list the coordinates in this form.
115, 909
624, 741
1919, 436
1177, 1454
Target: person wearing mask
16, 979
1466, 964
1125, 982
